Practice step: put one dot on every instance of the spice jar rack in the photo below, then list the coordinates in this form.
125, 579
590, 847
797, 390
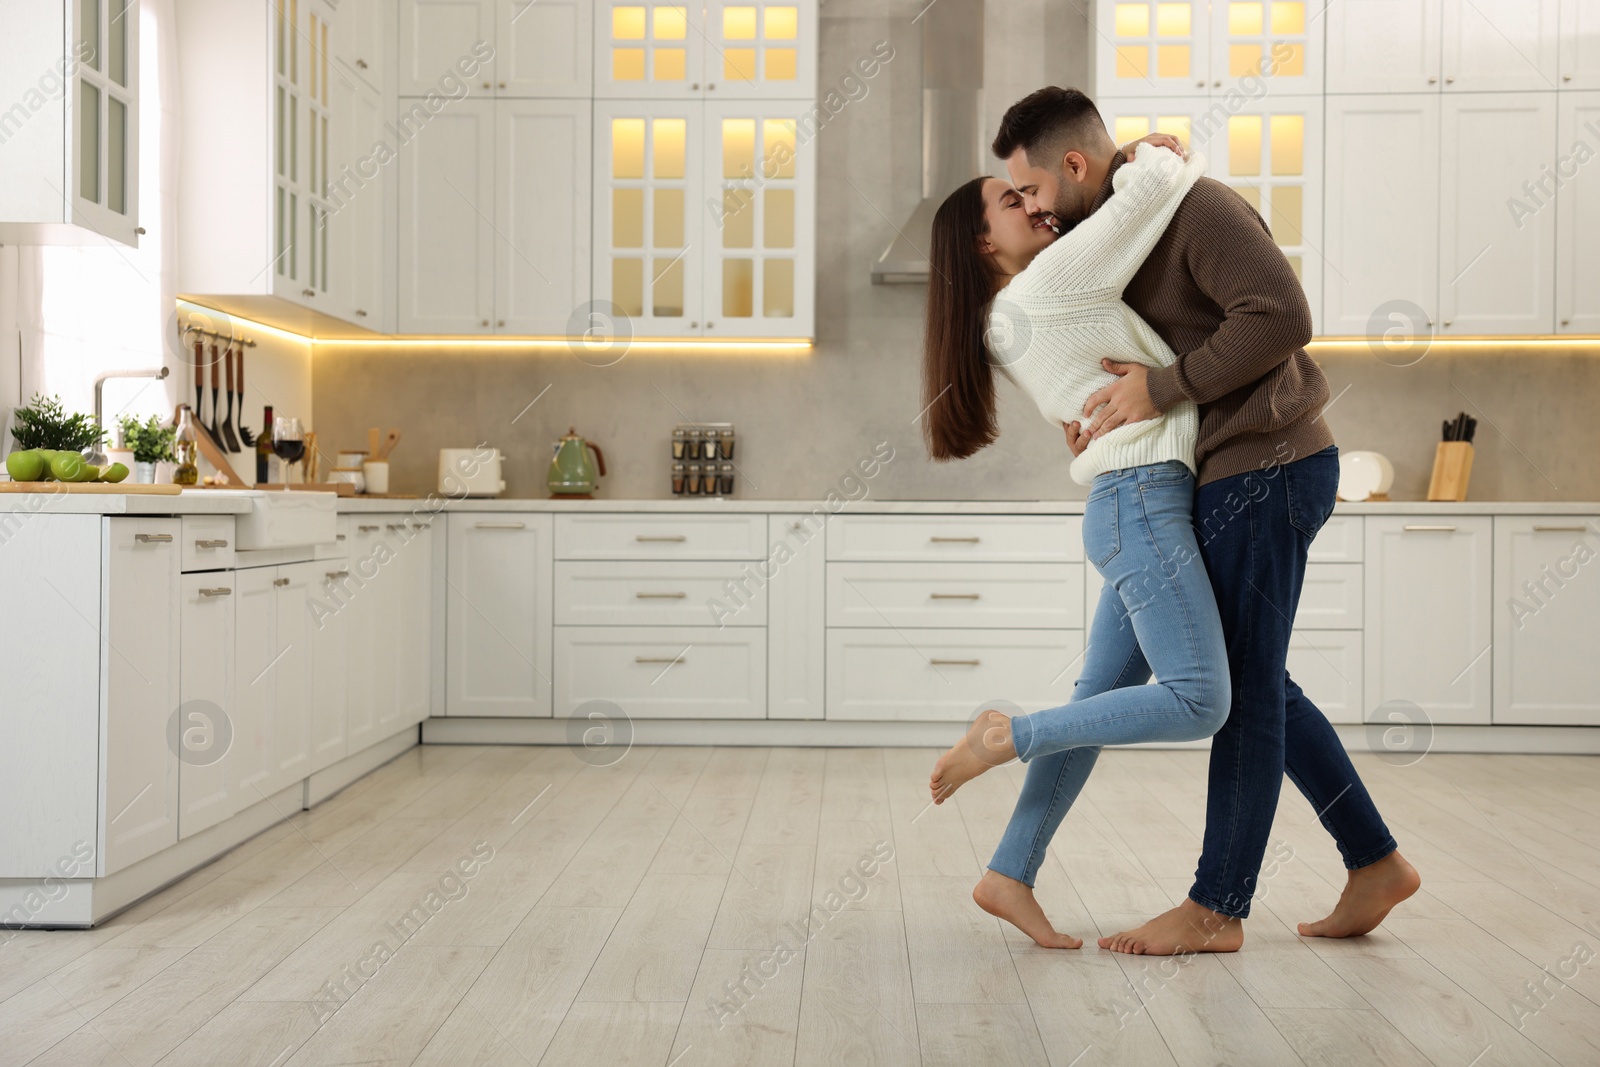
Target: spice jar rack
702, 459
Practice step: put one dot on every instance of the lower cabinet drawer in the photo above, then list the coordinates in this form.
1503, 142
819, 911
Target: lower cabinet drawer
663, 672
207, 542
660, 535
658, 593
1044, 595
944, 675
1330, 599
1326, 664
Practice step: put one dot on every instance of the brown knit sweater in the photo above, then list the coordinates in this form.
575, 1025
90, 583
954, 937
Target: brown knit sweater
1222, 296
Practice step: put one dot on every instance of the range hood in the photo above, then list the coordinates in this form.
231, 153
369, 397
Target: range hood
953, 140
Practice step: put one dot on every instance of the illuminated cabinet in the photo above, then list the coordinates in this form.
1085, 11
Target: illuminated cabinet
1159, 48
1270, 152
70, 156
704, 217
711, 50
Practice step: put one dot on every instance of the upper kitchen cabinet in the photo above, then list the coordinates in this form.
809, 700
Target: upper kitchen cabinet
1577, 212
1381, 248
363, 41
1497, 243
1147, 48
446, 237
1579, 57
69, 143
704, 218
268, 210
740, 51
507, 48
1421, 46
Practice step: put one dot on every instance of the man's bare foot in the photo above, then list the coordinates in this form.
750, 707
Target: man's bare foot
1369, 894
1179, 931
1011, 900
987, 744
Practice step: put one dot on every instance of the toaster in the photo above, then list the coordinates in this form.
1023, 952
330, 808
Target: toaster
470, 472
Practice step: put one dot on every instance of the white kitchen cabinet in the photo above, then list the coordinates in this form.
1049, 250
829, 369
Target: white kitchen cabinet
1428, 611
498, 615
1159, 48
796, 618
658, 593
1500, 45
1580, 44
504, 48
1577, 211
70, 153
1276, 42
1326, 665
441, 40
663, 672
373, 689
1381, 241
1497, 245
541, 256
958, 595
255, 635
359, 195
413, 605
139, 672
1384, 46
1546, 616
736, 50
447, 234
290, 674
330, 663
361, 42
1330, 597
206, 692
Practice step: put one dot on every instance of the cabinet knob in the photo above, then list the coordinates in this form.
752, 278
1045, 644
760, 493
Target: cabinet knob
694, 325
1447, 322
486, 85
709, 325
1450, 79
1566, 77
361, 64
280, 582
1566, 322
1217, 84
713, 85
1433, 80
1200, 85
308, 292
361, 313
502, 85
141, 231
500, 323
695, 86
485, 322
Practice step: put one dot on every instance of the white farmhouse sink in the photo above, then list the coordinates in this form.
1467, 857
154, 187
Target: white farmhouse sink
286, 520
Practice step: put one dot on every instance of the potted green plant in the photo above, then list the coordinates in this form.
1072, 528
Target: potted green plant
150, 442
44, 424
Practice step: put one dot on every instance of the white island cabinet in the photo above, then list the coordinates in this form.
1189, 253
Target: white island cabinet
1546, 618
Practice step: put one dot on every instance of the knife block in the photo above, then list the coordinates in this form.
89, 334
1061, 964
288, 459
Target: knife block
1452, 468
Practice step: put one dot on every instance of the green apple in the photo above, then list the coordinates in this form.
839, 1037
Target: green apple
26, 466
114, 473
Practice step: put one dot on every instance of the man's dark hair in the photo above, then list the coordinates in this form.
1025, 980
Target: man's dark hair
1048, 123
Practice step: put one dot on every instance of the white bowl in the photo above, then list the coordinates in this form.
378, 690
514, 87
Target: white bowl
1364, 474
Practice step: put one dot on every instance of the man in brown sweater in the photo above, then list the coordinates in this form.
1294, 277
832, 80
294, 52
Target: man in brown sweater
1223, 297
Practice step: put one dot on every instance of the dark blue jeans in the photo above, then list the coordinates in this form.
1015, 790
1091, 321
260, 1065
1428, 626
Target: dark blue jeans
1254, 531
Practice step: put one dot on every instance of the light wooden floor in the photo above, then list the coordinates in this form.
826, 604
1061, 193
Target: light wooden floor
622, 902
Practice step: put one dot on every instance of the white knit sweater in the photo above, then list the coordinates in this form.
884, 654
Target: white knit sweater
1053, 323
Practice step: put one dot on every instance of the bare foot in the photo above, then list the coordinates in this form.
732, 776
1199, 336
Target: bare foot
1182, 930
1369, 894
987, 744
1011, 900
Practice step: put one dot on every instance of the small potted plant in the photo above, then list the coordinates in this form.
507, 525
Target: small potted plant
150, 442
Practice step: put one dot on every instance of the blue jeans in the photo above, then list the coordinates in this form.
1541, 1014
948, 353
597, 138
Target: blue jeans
1156, 613
1255, 530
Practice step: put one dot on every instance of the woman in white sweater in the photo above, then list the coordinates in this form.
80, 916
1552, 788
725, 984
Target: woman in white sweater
1005, 293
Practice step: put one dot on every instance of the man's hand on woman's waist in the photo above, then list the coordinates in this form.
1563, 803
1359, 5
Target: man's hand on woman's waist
1126, 400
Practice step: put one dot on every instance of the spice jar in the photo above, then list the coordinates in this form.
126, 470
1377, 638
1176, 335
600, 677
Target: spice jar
678, 475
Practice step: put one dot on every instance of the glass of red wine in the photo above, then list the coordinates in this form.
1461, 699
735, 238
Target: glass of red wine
288, 442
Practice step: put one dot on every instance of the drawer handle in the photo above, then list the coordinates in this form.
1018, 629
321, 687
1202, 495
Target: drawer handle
334, 576
153, 539
1430, 529
954, 662
669, 537
339, 536
422, 526
500, 525
395, 525
660, 659
964, 540
211, 544
368, 529
661, 596
280, 582
1560, 529
953, 596
216, 592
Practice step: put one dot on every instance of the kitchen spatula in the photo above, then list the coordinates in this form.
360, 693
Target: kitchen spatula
229, 441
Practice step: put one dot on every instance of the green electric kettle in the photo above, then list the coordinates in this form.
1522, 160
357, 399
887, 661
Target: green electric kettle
572, 474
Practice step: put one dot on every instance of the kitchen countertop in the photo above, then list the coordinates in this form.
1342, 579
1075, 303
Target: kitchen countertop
202, 502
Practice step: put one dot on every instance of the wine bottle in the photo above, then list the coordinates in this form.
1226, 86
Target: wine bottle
264, 449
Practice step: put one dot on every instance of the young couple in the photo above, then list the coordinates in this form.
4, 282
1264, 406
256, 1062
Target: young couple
1165, 311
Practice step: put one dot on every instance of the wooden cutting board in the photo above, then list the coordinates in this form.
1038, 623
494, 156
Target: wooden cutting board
91, 488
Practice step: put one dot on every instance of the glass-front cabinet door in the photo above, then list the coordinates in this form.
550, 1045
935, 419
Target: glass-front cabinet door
302, 119
649, 50
1260, 46
761, 50
759, 262
103, 146
648, 252
1151, 47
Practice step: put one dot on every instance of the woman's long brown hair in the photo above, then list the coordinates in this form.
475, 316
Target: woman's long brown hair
957, 374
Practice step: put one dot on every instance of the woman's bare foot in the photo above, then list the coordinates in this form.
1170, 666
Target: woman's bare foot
1180, 931
1011, 900
987, 744
1369, 894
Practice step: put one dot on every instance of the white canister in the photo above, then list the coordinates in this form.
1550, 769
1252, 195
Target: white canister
354, 475
377, 475
350, 460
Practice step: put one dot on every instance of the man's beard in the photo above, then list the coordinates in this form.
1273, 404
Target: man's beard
1069, 208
